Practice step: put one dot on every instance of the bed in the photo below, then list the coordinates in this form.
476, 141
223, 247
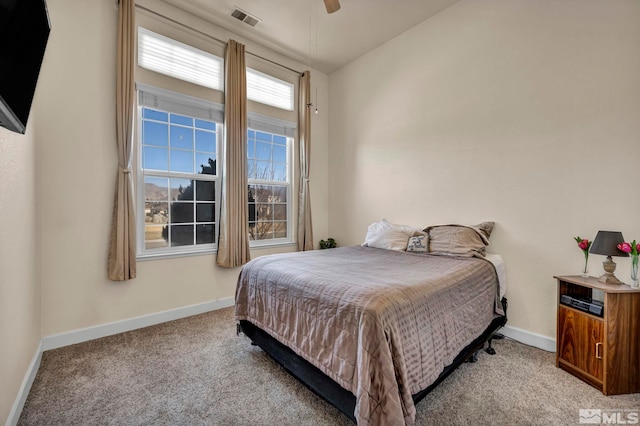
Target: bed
371, 330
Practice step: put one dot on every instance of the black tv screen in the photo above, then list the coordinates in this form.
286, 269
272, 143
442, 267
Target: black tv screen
24, 31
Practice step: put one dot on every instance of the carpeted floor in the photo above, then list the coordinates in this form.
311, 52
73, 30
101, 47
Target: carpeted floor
196, 371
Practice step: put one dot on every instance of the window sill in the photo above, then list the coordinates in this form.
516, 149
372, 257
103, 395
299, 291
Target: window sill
159, 256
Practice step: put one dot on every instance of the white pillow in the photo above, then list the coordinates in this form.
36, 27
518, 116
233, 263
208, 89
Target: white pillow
386, 235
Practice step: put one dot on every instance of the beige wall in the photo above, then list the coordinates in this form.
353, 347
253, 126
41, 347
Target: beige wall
19, 286
76, 176
525, 112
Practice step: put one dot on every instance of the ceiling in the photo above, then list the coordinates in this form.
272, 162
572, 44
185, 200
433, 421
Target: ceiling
303, 31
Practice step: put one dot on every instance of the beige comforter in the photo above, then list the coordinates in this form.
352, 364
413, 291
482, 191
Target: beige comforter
382, 324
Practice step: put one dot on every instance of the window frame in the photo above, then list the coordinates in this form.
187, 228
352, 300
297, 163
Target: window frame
269, 117
176, 103
288, 184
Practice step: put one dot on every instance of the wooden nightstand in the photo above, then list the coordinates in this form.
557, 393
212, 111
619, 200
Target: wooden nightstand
604, 351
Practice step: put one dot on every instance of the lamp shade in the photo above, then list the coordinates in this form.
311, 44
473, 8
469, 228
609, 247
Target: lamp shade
606, 243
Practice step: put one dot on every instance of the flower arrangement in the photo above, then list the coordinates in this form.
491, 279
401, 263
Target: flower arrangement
584, 245
633, 249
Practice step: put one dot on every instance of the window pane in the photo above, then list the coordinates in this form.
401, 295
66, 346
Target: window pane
264, 212
156, 189
280, 212
181, 119
263, 170
205, 190
181, 161
264, 230
281, 140
181, 137
181, 235
155, 236
202, 124
280, 172
279, 194
263, 193
251, 169
154, 115
155, 158
205, 141
251, 149
155, 133
205, 212
263, 151
262, 136
205, 234
181, 212
181, 189
156, 212
280, 230
280, 153
206, 163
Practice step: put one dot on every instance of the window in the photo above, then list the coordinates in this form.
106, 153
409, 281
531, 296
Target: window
179, 153
178, 60
170, 57
268, 172
178, 173
269, 90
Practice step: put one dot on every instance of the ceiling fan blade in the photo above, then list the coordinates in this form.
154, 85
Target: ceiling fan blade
332, 5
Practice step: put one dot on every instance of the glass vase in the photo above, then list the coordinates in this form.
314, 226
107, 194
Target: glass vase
634, 270
585, 270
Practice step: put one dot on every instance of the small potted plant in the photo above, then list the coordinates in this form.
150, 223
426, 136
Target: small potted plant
330, 243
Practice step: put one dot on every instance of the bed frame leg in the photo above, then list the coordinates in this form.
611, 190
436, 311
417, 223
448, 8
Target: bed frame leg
489, 349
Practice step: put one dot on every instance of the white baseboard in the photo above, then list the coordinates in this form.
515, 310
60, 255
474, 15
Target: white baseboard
528, 338
90, 333
25, 387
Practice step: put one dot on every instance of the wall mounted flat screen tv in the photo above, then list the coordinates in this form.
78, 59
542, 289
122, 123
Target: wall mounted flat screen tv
24, 31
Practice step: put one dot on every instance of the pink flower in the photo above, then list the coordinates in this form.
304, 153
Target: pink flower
584, 244
625, 247
638, 247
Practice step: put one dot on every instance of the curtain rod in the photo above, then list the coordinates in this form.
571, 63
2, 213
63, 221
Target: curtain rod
212, 37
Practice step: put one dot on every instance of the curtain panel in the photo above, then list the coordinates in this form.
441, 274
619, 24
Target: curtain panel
233, 238
305, 231
122, 245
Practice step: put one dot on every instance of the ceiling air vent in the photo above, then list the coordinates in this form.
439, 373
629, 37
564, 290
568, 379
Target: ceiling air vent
245, 17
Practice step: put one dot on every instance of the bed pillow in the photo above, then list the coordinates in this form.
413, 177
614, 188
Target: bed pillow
386, 235
417, 244
459, 240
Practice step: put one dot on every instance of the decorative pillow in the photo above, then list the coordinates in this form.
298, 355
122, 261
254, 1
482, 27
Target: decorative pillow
417, 244
459, 240
486, 228
388, 236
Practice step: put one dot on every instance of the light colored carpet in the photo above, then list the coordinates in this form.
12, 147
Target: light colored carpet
196, 371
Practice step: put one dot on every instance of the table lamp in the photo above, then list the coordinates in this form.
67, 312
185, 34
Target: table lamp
606, 244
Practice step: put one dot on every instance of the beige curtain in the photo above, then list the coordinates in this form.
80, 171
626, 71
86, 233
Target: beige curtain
233, 239
305, 231
122, 248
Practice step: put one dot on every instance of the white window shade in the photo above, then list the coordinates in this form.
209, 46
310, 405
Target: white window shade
269, 90
170, 57
265, 123
167, 100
